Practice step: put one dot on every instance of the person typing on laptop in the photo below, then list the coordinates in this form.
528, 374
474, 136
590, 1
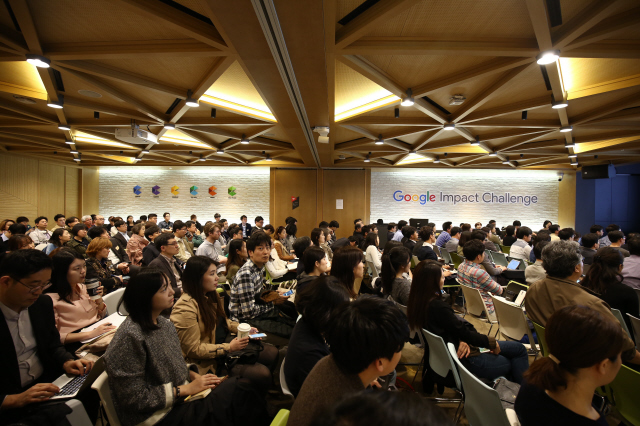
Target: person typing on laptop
30, 349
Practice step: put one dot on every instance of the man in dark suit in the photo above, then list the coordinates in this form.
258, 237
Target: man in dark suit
589, 248
119, 241
246, 228
168, 247
31, 354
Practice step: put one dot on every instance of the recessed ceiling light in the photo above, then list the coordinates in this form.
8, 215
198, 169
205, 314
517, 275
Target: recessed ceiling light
220, 151
565, 129
89, 93
367, 160
145, 151
268, 157
492, 154
476, 142
506, 161
574, 162
570, 144
437, 159
38, 60
191, 102
77, 159
74, 152
559, 104
244, 141
408, 99
69, 142
449, 126
169, 126
379, 141
548, 57
64, 127
59, 104
573, 155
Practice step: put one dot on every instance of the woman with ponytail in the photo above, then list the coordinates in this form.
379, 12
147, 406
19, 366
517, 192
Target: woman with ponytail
394, 266
584, 353
605, 278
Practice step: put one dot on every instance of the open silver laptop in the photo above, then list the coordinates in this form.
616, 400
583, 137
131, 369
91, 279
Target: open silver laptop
70, 385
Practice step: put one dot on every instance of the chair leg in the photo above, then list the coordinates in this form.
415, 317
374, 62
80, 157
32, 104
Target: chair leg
458, 413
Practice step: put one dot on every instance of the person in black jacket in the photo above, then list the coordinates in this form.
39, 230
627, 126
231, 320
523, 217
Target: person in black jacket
150, 252
317, 304
30, 350
167, 263
423, 249
427, 310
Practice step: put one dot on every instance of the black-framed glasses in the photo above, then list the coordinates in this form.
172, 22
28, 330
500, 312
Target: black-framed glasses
33, 289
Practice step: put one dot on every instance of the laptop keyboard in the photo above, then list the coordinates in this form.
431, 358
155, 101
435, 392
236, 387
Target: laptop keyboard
73, 386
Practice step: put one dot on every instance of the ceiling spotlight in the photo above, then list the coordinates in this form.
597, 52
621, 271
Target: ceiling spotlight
169, 126
437, 160
573, 155
574, 162
476, 142
506, 161
571, 144
367, 160
38, 61
202, 159
408, 99
341, 157
565, 129
449, 126
268, 157
379, 141
220, 151
69, 142
77, 159
64, 127
74, 152
548, 57
191, 102
559, 104
396, 112
493, 154
413, 152
145, 151
59, 104
244, 140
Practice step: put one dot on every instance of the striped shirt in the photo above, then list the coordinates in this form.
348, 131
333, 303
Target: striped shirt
471, 275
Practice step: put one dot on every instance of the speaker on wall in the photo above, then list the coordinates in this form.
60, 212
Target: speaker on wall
603, 171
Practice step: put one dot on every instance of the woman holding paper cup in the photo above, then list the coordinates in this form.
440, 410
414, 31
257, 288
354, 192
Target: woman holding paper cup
73, 306
205, 331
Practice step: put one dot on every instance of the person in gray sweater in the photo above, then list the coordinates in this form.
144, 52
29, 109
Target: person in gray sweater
148, 377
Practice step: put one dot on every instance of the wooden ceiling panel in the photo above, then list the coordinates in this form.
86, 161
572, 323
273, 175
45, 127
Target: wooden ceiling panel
528, 85
579, 74
582, 105
62, 21
469, 88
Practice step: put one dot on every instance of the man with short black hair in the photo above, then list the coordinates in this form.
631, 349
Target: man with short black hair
216, 217
445, 235
246, 228
246, 304
333, 225
491, 234
357, 233
617, 239
23, 220
470, 273
598, 230
168, 247
99, 220
31, 353
17, 229
366, 339
536, 272
566, 234
185, 248
605, 241
391, 230
398, 235
631, 269
521, 248
356, 221
563, 263
195, 219
259, 224
153, 218
517, 224
193, 234
546, 224
166, 225
40, 234
410, 237
59, 219
323, 224
589, 247
425, 251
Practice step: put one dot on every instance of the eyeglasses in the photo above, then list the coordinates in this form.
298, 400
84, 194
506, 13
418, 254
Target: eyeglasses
33, 290
175, 243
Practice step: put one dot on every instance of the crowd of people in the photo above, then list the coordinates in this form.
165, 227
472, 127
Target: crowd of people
338, 310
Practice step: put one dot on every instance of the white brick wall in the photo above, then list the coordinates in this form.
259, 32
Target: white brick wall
252, 188
541, 183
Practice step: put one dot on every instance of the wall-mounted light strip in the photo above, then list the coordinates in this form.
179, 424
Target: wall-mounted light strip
236, 107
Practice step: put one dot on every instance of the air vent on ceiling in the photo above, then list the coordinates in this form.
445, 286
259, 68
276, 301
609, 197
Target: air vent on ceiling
457, 100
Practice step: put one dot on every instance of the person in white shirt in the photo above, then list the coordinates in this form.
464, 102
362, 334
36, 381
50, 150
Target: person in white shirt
536, 272
372, 251
208, 247
521, 248
40, 234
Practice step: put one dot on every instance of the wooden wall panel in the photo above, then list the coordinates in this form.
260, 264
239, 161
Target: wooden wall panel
52, 190
567, 201
350, 186
72, 195
295, 183
90, 191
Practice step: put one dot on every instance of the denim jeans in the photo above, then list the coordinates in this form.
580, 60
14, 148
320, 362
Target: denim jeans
511, 363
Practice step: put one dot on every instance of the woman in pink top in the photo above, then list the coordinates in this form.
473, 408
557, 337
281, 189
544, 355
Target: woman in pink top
72, 305
136, 243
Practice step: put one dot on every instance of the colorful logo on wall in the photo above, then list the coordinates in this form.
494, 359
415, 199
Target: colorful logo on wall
174, 190
193, 190
136, 190
212, 191
155, 190
232, 190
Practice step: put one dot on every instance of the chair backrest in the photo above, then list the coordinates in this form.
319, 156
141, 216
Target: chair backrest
446, 256
415, 260
101, 385
439, 358
372, 270
283, 382
542, 341
437, 250
513, 323
473, 300
404, 311
585, 269
616, 313
112, 299
281, 418
505, 249
621, 394
482, 405
635, 325
457, 260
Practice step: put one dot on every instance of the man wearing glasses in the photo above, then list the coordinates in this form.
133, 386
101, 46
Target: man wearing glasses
167, 263
30, 350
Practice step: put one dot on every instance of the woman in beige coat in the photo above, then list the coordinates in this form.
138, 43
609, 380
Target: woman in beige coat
205, 331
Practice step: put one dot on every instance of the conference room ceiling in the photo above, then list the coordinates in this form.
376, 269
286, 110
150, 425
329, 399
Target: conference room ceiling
267, 72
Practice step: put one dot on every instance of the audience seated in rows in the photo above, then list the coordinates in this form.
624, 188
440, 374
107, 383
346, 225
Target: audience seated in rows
452, 244
427, 310
563, 263
584, 350
394, 265
472, 275
366, 338
398, 234
445, 235
347, 267
631, 270
536, 272
150, 252
148, 374
185, 247
211, 246
315, 264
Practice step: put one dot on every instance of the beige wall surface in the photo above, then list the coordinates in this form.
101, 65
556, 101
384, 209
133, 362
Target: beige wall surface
31, 187
567, 201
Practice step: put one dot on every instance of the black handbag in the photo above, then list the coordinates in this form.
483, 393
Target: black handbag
248, 355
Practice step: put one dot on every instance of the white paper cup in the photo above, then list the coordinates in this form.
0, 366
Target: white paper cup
92, 288
243, 330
